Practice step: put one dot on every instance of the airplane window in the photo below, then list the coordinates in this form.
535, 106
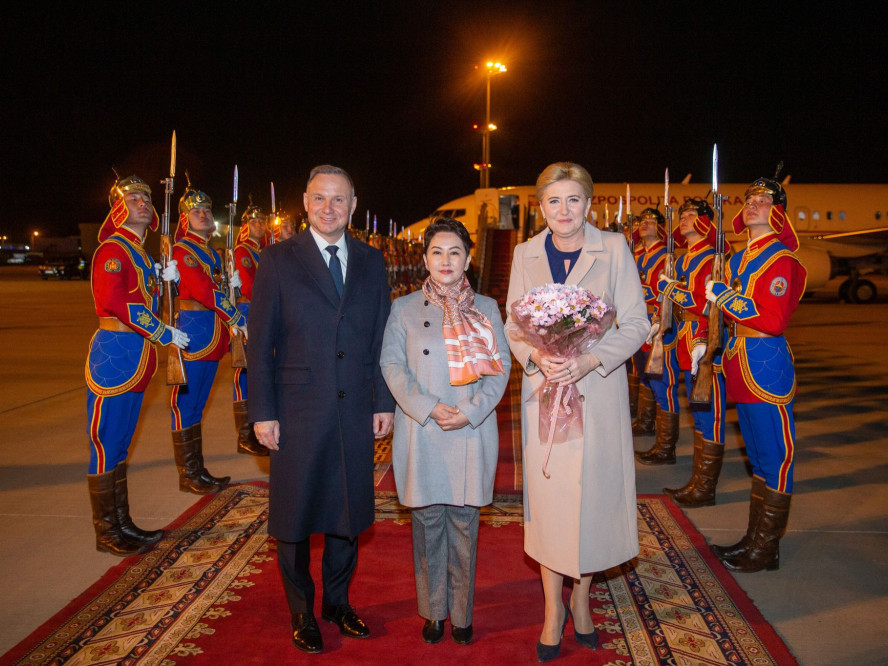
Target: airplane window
878, 215
803, 215
842, 215
829, 215
816, 215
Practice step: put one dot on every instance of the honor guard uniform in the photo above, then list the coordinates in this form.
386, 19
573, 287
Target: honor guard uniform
767, 281
654, 395
206, 314
250, 241
122, 359
688, 294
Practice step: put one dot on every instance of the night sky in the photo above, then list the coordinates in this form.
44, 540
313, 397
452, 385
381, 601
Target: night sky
388, 91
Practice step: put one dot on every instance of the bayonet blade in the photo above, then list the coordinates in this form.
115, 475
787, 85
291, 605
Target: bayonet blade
173, 157
234, 196
620, 211
715, 168
628, 201
272, 198
666, 192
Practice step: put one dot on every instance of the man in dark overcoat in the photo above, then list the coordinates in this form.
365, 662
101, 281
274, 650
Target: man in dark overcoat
318, 399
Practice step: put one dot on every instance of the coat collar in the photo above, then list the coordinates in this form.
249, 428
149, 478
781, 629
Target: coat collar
537, 263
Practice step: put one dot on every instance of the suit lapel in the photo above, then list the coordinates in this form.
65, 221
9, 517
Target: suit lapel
536, 262
591, 245
354, 268
307, 253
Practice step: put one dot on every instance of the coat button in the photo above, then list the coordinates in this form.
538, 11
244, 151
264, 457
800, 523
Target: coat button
425, 351
340, 354
426, 303
342, 394
426, 324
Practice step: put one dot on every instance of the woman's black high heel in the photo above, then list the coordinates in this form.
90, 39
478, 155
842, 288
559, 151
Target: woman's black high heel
549, 652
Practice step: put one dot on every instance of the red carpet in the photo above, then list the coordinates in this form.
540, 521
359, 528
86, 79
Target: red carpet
210, 593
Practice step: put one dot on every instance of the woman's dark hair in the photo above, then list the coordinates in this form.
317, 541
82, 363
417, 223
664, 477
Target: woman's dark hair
446, 224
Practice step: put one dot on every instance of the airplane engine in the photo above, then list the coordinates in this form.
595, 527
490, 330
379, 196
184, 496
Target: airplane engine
818, 264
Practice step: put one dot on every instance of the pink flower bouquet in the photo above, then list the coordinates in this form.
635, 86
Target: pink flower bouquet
562, 320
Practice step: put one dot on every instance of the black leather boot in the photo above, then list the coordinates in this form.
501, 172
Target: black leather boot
121, 500
755, 509
109, 538
663, 450
193, 477
700, 490
246, 438
647, 412
764, 547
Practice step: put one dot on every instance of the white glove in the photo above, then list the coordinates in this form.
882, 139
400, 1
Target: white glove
235, 280
157, 268
180, 338
709, 295
655, 328
239, 330
696, 354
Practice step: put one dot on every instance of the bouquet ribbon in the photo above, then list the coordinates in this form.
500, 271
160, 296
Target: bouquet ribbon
562, 400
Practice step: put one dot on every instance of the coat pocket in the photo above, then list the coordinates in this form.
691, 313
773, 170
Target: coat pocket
293, 375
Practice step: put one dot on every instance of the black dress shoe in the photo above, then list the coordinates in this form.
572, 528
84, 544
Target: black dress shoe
433, 631
306, 633
461, 635
346, 619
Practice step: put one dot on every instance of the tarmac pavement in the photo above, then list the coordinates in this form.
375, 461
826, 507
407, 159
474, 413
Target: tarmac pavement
828, 600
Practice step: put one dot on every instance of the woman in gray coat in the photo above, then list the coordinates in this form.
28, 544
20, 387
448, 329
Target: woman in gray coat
445, 359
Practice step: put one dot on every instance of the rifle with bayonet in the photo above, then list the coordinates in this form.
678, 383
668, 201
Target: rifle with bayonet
701, 394
238, 352
656, 362
272, 216
630, 221
168, 305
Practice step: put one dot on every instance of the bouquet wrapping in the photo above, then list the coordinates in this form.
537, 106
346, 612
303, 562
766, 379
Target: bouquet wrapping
561, 320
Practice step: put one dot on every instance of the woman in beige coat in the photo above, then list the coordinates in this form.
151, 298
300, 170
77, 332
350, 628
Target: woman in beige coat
445, 359
581, 519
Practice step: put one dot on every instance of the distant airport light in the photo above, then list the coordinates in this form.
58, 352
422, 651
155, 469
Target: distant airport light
492, 68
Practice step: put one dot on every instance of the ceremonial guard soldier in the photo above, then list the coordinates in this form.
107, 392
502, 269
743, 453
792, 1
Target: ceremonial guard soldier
206, 314
688, 294
250, 241
122, 359
767, 281
654, 395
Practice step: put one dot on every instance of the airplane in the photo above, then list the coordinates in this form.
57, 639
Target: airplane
842, 229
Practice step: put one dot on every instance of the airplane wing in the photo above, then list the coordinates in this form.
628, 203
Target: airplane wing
875, 235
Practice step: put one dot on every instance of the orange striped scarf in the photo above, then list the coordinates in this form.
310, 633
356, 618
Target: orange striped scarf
468, 334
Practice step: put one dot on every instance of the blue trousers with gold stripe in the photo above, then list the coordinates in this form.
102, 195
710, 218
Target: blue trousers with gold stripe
769, 435
111, 422
709, 422
187, 402
666, 390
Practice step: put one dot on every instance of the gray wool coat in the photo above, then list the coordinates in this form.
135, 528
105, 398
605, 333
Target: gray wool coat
433, 466
583, 518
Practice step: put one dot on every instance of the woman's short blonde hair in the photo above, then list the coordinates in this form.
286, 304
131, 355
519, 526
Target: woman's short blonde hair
563, 171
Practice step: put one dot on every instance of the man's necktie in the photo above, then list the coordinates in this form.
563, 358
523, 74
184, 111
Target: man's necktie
335, 268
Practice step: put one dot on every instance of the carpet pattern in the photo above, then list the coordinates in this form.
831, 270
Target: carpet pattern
674, 604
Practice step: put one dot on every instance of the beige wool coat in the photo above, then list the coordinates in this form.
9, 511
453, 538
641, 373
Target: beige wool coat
433, 466
583, 518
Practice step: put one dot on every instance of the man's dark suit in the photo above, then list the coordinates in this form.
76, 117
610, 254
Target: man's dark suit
314, 367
